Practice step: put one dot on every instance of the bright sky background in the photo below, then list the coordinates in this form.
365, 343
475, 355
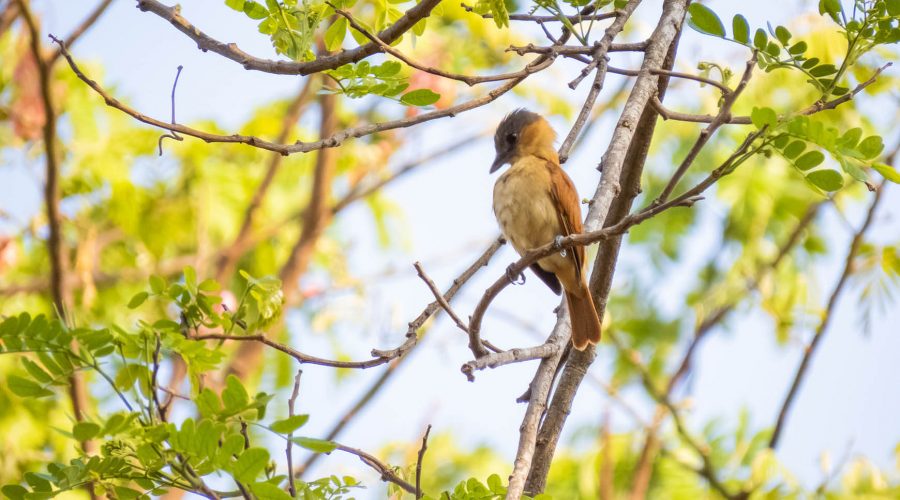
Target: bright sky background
850, 400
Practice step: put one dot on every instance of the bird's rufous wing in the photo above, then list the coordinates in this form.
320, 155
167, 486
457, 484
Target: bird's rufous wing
568, 209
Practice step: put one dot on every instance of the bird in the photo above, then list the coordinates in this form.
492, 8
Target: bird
536, 203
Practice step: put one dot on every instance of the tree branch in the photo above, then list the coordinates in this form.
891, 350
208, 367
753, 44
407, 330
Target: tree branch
229, 257
419, 459
386, 471
292, 488
322, 63
516, 355
599, 54
467, 79
439, 297
576, 18
622, 165
707, 470
332, 141
810, 349
60, 292
814, 108
729, 98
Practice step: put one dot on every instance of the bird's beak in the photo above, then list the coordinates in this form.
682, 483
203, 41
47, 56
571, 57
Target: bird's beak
499, 161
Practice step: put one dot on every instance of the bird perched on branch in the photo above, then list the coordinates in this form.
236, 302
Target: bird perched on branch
536, 203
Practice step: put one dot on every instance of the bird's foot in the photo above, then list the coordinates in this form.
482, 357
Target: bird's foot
514, 278
557, 244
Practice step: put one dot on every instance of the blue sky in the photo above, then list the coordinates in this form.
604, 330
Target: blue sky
850, 397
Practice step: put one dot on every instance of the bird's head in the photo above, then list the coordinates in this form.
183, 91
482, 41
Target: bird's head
521, 132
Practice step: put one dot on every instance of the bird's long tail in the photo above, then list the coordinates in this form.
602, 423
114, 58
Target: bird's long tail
585, 323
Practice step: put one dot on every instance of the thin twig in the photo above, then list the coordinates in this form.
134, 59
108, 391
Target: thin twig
730, 97
172, 134
230, 256
60, 291
827, 316
576, 18
399, 354
322, 63
333, 141
516, 355
599, 54
386, 471
707, 470
814, 108
292, 488
440, 297
571, 50
419, 460
469, 80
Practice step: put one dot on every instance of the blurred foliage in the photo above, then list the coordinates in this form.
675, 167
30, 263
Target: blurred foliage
145, 235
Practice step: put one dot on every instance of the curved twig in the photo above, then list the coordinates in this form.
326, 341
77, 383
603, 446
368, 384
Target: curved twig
538, 64
322, 63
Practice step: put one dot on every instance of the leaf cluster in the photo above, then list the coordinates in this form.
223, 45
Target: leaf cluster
140, 446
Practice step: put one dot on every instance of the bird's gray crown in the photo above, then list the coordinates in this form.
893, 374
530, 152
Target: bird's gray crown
513, 124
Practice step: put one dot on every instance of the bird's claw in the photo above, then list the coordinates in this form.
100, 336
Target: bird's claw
515, 278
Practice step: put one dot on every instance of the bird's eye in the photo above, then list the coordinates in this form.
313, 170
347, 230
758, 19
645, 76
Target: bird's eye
511, 138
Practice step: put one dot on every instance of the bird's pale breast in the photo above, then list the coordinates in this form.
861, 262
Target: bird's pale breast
523, 206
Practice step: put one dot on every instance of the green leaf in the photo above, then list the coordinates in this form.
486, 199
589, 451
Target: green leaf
387, 69
850, 138
124, 493
829, 6
762, 117
208, 403
237, 5
269, 491
826, 180
316, 445
420, 97
26, 388
810, 160
798, 48
157, 284
887, 171
250, 464
741, 29
209, 285
137, 300
871, 147
704, 20
84, 431
38, 483
495, 484
190, 277
14, 491
823, 70
893, 7
782, 34
794, 149
36, 371
289, 424
760, 39
498, 10
334, 35
234, 396
255, 10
